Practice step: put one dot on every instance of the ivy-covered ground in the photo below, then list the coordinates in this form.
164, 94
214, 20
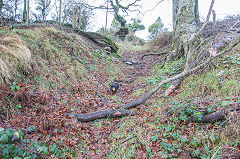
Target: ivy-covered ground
67, 73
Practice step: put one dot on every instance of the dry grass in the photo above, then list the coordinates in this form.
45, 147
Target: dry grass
232, 129
128, 47
14, 57
161, 41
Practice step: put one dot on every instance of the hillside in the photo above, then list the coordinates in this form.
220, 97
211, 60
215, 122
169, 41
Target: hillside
46, 73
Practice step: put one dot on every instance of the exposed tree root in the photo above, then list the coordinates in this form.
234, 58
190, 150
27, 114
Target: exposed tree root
123, 112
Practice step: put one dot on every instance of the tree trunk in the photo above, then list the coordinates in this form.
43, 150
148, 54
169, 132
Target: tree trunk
185, 25
1, 6
44, 11
28, 12
24, 10
1, 15
75, 17
60, 10
15, 9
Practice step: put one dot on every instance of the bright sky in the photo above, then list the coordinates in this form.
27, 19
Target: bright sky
164, 10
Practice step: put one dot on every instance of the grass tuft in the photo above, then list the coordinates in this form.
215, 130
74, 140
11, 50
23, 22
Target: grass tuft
14, 58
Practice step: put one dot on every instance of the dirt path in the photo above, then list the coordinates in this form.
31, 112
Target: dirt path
134, 73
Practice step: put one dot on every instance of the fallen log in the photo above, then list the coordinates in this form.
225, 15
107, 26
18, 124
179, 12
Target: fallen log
219, 115
116, 113
210, 118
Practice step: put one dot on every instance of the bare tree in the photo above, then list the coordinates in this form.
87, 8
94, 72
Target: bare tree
186, 31
75, 17
82, 11
8, 9
15, 8
120, 8
44, 7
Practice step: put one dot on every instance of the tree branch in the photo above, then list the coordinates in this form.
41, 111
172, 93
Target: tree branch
102, 114
206, 22
154, 6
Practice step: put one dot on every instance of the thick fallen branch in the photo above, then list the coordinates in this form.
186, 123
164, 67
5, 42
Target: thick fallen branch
210, 118
123, 112
102, 114
217, 116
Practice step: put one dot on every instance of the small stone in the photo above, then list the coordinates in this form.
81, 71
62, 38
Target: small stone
134, 61
108, 49
128, 63
221, 73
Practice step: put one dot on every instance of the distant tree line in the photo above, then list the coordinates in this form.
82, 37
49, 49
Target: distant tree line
55, 11
74, 13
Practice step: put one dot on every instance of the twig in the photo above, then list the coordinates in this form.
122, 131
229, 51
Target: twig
153, 7
216, 152
224, 122
129, 138
234, 25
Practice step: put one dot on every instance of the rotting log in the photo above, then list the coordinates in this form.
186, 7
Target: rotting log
116, 113
218, 115
210, 118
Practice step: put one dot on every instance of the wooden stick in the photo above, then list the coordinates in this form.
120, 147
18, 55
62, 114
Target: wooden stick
129, 138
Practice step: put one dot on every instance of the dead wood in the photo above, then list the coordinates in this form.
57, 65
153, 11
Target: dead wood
210, 118
219, 115
102, 114
178, 82
115, 113
179, 76
129, 138
157, 54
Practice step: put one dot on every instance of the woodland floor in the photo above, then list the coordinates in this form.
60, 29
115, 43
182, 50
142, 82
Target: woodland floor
144, 135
